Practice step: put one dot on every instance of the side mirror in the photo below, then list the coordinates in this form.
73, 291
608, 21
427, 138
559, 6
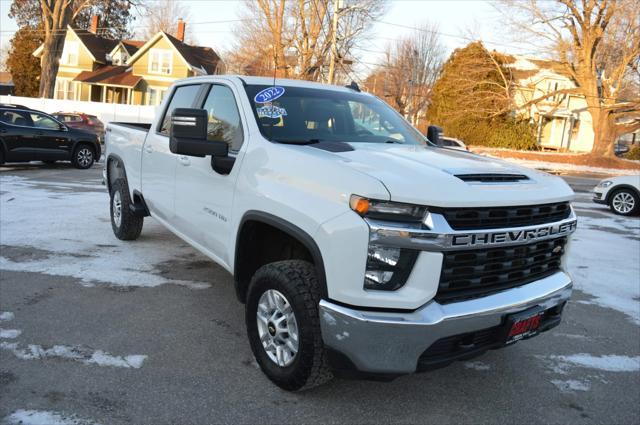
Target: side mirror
63, 127
433, 134
189, 134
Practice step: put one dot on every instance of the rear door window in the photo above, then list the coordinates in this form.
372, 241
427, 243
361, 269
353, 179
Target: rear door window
183, 97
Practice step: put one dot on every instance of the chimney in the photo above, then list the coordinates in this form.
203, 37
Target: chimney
180, 33
94, 24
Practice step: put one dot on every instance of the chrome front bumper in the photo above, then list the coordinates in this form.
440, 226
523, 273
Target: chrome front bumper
391, 343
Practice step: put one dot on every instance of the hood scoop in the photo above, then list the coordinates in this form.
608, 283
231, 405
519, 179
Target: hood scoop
492, 178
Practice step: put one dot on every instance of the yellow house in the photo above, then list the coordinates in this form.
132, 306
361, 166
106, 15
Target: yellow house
93, 68
562, 120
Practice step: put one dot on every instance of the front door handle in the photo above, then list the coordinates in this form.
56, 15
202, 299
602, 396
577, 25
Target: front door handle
184, 160
148, 149
3, 130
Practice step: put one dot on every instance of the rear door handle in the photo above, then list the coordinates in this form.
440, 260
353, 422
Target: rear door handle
148, 149
184, 160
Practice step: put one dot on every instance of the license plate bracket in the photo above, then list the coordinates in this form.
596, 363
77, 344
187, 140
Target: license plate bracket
522, 325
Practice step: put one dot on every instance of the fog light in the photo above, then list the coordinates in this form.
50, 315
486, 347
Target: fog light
388, 268
385, 255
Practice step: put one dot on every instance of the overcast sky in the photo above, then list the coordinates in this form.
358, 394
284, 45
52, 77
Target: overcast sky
455, 19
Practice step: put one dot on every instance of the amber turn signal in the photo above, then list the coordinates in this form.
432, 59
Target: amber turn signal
359, 204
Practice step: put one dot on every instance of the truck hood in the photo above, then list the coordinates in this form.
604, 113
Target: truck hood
427, 176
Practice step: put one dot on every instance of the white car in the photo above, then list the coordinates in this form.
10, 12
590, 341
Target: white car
621, 194
356, 244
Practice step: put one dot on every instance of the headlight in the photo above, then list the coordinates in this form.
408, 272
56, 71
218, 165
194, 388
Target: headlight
386, 210
388, 267
605, 183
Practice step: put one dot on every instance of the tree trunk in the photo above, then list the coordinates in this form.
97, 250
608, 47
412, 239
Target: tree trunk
604, 133
52, 50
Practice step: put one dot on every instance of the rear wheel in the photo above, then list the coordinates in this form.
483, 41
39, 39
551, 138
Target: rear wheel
83, 157
624, 202
126, 226
283, 325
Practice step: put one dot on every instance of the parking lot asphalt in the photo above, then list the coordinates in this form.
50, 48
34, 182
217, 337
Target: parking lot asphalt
96, 330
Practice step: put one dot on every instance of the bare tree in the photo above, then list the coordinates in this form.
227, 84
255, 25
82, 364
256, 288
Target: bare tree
409, 71
163, 15
598, 45
293, 38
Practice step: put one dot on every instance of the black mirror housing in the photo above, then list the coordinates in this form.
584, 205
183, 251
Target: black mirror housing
189, 134
433, 134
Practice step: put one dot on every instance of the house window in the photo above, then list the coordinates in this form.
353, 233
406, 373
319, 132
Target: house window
66, 89
160, 61
70, 53
155, 95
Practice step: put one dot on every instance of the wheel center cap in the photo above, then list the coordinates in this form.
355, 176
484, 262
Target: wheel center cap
272, 329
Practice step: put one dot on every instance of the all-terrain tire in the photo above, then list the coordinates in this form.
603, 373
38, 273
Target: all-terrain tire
126, 226
297, 281
84, 156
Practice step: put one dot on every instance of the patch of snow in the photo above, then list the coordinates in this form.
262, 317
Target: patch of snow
76, 232
80, 354
571, 385
612, 258
558, 166
608, 363
42, 417
477, 366
5, 316
9, 333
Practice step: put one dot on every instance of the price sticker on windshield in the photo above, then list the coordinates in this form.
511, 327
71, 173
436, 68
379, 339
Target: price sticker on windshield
269, 94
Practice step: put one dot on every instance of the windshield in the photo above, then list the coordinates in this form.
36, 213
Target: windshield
304, 115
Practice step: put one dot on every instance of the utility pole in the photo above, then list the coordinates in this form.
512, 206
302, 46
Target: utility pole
334, 41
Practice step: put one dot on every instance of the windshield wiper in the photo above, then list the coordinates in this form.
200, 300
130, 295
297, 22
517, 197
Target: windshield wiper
394, 141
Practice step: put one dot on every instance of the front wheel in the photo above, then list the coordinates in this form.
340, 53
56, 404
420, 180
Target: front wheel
283, 325
126, 226
624, 202
83, 157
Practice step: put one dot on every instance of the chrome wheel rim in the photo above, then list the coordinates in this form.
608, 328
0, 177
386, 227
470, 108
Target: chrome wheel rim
85, 156
277, 328
117, 208
623, 202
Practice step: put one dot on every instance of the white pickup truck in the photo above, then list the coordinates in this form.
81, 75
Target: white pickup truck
357, 245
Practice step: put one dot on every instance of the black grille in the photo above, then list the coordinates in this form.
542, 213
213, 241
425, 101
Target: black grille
492, 178
480, 272
503, 217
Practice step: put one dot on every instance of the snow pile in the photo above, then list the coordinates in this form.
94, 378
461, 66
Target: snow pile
41, 417
80, 354
68, 225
